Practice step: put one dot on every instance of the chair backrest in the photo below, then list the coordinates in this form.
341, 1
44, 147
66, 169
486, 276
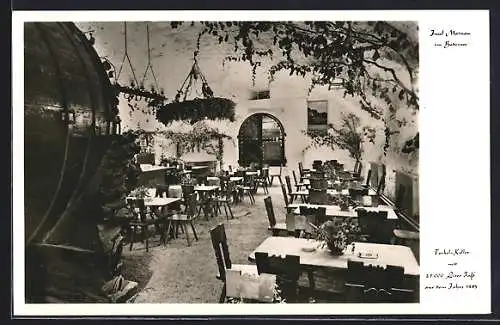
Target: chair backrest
375, 276
356, 166
191, 205
288, 184
294, 177
368, 177
318, 196
400, 196
285, 196
375, 225
381, 186
317, 164
249, 180
287, 271
301, 168
314, 215
270, 211
219, 243
137, 204
318, 183
360, 169
187, 190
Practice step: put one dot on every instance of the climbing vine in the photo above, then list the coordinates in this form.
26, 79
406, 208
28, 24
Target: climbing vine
355, 55
350, 136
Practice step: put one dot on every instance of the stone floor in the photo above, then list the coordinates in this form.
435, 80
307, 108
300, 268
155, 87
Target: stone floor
178, 273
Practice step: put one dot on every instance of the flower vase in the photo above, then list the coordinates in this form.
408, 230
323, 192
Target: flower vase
334, 249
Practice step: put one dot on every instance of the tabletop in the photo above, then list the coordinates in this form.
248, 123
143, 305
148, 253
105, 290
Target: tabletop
161, 201
236, 179
158, 201
335, 192
205, 188
387, 254
198, 167
150, 168
334, 210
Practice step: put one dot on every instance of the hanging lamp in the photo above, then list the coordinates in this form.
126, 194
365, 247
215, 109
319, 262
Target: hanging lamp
135, 90
199, 108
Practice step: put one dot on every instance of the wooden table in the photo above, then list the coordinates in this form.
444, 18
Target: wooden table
160, 201
205, 197
371, 192
321, 258
335, 211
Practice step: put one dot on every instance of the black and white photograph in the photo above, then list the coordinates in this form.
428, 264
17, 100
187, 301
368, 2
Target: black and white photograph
221, 162
173, 159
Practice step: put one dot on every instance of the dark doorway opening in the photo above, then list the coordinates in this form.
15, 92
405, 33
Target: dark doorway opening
261, 140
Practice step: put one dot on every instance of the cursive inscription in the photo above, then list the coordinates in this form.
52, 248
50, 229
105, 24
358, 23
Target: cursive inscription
451, 251
450, 275
450, 38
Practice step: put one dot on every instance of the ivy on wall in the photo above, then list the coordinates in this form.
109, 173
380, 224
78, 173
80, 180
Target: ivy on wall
350, 136
355, 55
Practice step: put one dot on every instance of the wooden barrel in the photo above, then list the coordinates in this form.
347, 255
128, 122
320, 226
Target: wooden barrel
66, 113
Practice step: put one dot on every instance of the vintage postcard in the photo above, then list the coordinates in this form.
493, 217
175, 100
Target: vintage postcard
249, 163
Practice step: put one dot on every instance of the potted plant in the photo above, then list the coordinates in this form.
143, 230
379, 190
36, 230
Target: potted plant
140, 192
337, 234
350, 136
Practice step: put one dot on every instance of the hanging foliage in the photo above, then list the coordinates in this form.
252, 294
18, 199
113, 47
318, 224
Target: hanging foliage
358, 56
349, 136
202, 137
197, 110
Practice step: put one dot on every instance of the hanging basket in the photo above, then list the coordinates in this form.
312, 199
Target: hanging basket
214, 108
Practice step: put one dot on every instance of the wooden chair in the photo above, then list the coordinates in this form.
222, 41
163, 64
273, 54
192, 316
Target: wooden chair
140, 222
287, 271
263, 180
399, 197
182, 220
248, 188
276, 228
298, 185
273, 174
219, 243
224, 198
317, 164
318, 196
368, 177
289, 207
318, 183
313, 215
375, 284
381, 186
161, 190
303, 173
374, 226
293, 194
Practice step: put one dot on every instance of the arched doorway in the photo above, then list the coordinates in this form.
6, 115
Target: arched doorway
261, 140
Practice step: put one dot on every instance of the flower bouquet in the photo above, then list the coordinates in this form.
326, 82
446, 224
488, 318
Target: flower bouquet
337, 234
140, 192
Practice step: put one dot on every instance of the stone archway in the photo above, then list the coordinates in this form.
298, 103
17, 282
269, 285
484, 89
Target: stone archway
261, 140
